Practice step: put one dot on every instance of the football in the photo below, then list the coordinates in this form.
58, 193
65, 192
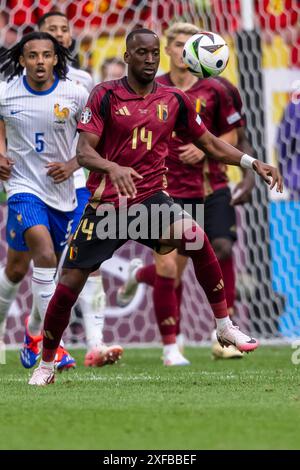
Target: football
206, 54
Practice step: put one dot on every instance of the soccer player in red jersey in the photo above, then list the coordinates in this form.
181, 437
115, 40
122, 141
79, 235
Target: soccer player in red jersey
192, 179
125, 132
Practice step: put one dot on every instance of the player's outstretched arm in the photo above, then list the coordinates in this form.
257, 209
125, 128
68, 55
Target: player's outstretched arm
218, 150
120, 176
5, 163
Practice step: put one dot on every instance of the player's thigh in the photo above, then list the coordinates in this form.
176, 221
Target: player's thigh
166, 264
220, 217
17, 264
184, 223
41, 248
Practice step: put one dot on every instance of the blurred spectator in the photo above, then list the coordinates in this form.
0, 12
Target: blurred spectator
112, 68
288, 147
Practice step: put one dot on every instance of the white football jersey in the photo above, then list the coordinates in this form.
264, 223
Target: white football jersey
40, 128
85, 79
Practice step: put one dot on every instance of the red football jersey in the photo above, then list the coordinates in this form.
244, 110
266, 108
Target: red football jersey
236, 98
135, 131
215, 106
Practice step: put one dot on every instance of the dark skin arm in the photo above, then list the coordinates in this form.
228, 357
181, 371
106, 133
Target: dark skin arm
5, 163
242, 191
62, 171
225, 153
121, 177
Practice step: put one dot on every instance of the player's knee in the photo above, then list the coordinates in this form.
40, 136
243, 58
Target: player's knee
16, 272
167, 267
74, 279
45, 259
222, 247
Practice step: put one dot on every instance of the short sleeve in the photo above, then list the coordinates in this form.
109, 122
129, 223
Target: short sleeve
229, 116
82, 100
188, 124
94, 113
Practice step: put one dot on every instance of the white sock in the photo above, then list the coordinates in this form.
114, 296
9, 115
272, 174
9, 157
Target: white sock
43, 287
222, 323
8, 293
170, 349
34, 322
92, 303
49, 365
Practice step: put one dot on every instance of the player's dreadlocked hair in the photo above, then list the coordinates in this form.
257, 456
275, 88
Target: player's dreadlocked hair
11, 56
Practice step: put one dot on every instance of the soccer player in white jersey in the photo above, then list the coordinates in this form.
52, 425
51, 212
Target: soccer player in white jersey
92, 297
40, 111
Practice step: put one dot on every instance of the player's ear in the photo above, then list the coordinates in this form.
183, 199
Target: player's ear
167, 50
126, 57
22, 61
55, 60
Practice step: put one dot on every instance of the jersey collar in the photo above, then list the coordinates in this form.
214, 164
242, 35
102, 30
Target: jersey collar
40, 93
131, 93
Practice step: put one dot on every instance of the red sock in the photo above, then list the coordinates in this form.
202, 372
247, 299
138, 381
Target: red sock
227, 267
57, 319
165, 306
178, 292
207, 269
147, 275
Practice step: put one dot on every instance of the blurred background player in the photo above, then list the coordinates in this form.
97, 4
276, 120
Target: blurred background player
40, 111
194, 179
288, 147
112, 68
92, 299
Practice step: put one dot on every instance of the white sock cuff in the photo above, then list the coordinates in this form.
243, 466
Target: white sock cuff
49, 365
43, 274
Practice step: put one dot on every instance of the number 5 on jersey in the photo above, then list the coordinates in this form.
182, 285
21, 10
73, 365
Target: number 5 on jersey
39, 142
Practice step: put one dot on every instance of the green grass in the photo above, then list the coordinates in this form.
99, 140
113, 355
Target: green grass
253, 403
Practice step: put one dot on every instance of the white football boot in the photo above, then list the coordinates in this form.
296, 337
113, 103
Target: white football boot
173, 357
231, 335
42, 376
218, 352
126, 293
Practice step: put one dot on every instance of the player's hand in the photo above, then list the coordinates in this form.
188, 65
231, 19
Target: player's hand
190, 154
269, 174
60, 172
242, 192
122, 180
5, 167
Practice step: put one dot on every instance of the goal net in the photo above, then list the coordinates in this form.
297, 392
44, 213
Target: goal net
264, 41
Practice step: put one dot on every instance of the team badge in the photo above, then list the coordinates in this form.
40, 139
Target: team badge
162, 112
86, 115
61, 114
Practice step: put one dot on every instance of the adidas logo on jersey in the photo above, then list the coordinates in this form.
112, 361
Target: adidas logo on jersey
123, 111
219, 286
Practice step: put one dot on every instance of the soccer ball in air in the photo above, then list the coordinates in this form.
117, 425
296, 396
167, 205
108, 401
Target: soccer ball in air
205, 54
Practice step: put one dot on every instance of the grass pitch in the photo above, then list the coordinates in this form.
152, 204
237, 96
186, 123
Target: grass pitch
253, 403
